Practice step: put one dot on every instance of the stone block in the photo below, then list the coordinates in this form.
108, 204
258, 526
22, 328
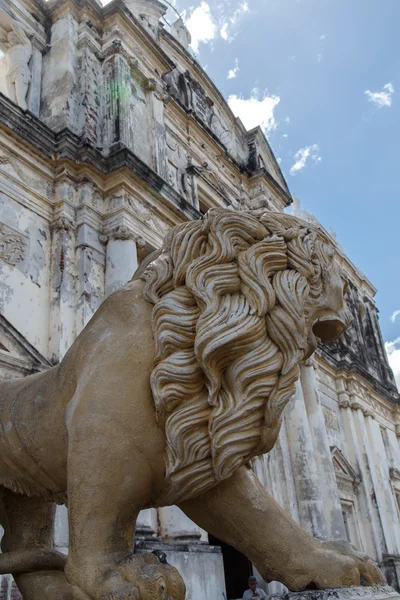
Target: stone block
383, 592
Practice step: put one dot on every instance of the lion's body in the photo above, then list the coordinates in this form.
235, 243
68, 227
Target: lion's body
178, 380
38, 412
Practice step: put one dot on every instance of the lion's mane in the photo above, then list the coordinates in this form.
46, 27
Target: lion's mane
231, 294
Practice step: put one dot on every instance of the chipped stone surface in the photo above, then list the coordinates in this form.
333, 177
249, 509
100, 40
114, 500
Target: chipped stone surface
126, 136
354, 593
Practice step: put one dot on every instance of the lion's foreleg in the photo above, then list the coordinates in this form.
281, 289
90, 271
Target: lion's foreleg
108, 484
28, 548
241, 513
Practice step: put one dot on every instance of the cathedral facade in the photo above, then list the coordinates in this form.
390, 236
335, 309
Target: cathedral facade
111, 133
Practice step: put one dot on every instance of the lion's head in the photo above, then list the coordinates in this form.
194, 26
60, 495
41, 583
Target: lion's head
239, 301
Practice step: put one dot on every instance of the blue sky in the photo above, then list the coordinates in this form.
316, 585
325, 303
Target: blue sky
323, 79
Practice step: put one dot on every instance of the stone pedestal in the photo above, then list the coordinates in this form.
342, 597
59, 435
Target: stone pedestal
200, 565
354, 593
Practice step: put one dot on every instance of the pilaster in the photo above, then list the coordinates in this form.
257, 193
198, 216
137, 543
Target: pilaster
326, 473
35, 88
117, 124
383, 491
370, 531
159, 97
62, 288
308, 489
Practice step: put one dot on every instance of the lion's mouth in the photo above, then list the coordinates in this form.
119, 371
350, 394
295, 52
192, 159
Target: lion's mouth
329, 329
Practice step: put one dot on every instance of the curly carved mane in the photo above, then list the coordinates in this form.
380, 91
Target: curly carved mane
231, 294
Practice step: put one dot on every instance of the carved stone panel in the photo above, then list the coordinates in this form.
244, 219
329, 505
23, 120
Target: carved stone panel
13, 245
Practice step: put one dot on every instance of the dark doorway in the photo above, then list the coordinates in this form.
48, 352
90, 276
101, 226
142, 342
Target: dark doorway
237, 569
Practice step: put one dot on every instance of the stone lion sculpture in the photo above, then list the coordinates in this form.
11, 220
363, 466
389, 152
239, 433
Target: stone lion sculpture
176, 383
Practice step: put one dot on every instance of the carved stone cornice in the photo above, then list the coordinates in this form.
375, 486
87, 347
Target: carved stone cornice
347, 403
344, 404
159, 89
63, 224
116, 48
310, 362
394, 473
121, 232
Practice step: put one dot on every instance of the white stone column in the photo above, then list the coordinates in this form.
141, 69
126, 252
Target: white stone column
61, 533
62, 288
326, 473
175, 525
121, 258
370, 534
147, 523
383, 491
308, 489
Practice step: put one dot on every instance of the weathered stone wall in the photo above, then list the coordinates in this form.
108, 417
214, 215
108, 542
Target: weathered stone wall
126, 136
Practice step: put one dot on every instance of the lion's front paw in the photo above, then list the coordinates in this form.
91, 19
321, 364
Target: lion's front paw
143, 577
338, 564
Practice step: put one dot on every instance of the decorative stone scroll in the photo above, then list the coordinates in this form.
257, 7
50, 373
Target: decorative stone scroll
13, 245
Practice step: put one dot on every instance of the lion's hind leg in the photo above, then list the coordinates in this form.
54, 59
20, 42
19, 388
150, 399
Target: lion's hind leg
28, 548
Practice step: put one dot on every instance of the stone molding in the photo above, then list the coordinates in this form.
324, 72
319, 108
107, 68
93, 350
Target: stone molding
18, 355
68, 146
350, 388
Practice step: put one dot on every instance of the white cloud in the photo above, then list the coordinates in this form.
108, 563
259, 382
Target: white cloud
243, 8
285, 135
319, 58
232, 20
233, 72
303, 155
393, 352
383, 98
254, 112
395, 315
322, 37
201, 25
224, 32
